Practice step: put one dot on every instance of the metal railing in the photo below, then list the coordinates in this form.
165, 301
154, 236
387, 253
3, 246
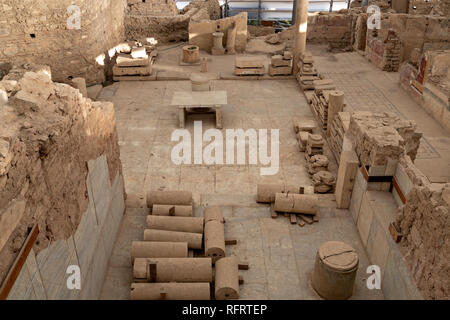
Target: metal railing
284, 8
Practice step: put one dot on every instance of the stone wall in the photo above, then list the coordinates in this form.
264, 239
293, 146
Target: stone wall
332, 28
164, 27
37, 32
416, 34
418, 266
60, 169
429, 84
153, 7
424, 222
212, 6
200, 32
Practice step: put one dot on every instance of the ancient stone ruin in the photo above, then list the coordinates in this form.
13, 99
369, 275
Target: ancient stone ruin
159, 150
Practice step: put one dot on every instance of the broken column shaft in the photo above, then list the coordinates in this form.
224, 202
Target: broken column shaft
301, 22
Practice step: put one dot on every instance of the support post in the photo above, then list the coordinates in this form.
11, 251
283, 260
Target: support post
301, 22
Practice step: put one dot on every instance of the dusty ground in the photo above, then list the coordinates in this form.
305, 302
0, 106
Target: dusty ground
280, 255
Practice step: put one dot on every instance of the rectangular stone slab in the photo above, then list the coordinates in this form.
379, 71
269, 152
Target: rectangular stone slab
199, 98
249, 71
132, 71
249, 62
125, 60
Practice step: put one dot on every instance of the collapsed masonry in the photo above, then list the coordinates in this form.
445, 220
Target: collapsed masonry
59, 171
391, 200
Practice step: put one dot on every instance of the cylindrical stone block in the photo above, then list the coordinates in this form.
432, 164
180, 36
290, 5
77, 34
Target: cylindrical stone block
146, 249
200, 82
335, 270
170, 291
194, 240
226, 285
173, 269
191, 54
214, 240
213, 214
181, 198
296, 203
171, 210
183, 224
231, 39
265, 192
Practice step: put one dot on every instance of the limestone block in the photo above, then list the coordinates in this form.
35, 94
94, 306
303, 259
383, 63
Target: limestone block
125, 60
248, 62
274, 71
305, 125
138, 53
132, 71
279, 61
249, 71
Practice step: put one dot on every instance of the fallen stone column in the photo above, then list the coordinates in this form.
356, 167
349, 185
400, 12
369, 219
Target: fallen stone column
265, 192
171, 210
194, 240
183, 224
296, 203
172, 269
214, 240
226, 284
169, 197
170, 291
213, 214
146, 249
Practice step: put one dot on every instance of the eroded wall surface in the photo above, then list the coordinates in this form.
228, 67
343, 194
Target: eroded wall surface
60, 169
37, 32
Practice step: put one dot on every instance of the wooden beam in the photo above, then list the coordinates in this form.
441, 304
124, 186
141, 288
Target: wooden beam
18, 263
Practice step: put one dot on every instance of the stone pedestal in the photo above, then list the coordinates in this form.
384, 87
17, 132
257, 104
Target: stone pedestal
335, 270
217, 48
